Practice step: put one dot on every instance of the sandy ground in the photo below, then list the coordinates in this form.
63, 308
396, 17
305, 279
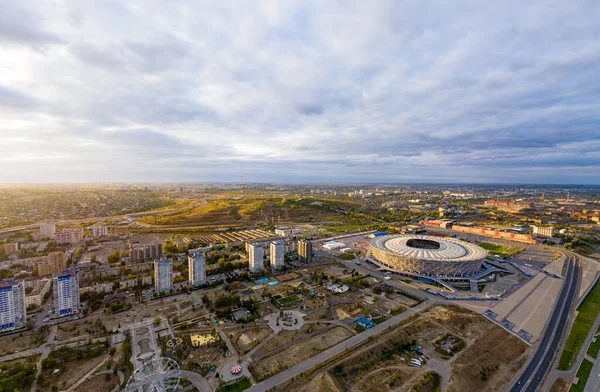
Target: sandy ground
244, 340
99, 384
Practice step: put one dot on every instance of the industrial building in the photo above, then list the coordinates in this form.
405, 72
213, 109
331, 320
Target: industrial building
277, 254
66, 293
12, 305
163, 275
427, 255
255, 257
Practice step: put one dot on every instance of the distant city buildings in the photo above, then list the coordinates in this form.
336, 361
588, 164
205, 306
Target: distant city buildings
11, 248
305, 251
255, 257
277, 254
47, 230
163, 275
66, 293
12, 305
507, 206
68, 236
146, 252
543, 231
197, 268
54, 263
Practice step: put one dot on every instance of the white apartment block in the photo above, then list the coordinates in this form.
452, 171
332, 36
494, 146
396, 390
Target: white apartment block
100, 231
12, 305
543, 231
197, 268
255, 257
277, 254
66, 293
47, 230
163, 275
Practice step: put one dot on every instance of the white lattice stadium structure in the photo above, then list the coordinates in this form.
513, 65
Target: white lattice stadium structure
427, 255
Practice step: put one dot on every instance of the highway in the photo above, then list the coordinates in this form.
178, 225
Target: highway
539, 364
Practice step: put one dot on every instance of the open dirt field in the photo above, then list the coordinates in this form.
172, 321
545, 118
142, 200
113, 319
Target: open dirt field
280, 339
320, 314
75, 371
99, 384
312, 327
490, 360
322, 382
315, 303
11, 343
299, 352
248, 338
461, 321
489, 363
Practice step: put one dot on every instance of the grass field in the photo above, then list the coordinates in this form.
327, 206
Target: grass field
290, 299
588, 312
238, 386
582, 374
501, 250
594, 348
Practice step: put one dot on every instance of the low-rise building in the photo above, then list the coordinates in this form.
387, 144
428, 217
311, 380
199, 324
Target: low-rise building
11, 248
68, 236
40, 289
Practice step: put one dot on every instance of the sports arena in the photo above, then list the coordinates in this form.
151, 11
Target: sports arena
427, 255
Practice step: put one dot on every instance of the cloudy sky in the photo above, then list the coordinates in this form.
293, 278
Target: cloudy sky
369, 91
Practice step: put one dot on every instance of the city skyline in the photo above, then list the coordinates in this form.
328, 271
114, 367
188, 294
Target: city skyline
300, 92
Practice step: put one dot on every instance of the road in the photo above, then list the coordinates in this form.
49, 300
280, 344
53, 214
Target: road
539, 364
352, 342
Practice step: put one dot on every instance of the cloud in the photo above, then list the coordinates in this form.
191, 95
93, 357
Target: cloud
19, 26
300, 91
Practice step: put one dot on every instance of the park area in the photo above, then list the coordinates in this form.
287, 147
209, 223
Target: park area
501, 250
586, 315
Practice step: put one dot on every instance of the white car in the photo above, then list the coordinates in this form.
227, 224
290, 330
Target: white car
387, 278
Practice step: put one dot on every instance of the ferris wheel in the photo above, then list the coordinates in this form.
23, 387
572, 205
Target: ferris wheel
156, 375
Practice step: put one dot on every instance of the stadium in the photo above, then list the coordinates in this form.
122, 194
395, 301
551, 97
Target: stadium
427, 255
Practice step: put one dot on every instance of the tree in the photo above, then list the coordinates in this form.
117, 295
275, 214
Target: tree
94, 260
114, 257
157, 321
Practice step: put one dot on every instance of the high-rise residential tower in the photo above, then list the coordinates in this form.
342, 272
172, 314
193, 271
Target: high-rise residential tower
277, 251
305, 251
12, 305
197, 268
163, 275
255, 257
66, 293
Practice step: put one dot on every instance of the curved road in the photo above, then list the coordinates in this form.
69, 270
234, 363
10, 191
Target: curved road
539, 364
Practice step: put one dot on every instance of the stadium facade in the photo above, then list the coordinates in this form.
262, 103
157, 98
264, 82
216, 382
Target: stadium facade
427, 255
